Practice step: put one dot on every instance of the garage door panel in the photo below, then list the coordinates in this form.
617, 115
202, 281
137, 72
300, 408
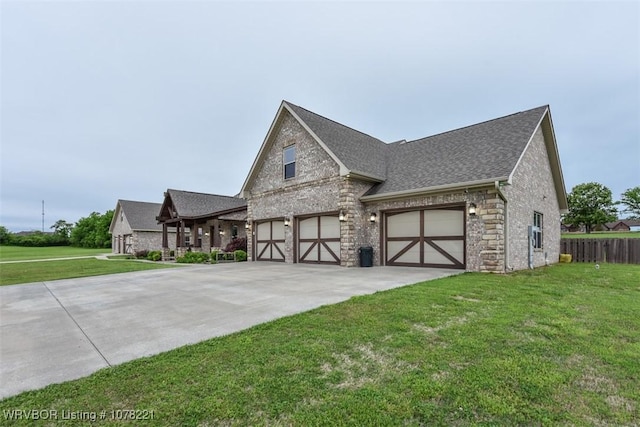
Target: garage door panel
426, 238
276, 253
307, 251
329, 227
264, 231
443, 223
406, 224
455, 248
450, 253
411, 254
330, 252
319, 239
277, 230
270, 241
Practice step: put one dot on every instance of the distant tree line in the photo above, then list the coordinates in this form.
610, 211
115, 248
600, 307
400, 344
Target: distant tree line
89, 232
592, 204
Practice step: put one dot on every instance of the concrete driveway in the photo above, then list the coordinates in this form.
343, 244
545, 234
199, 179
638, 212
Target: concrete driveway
66, 329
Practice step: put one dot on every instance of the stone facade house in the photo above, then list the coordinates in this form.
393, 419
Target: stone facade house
134, 227
487, 197
202, 221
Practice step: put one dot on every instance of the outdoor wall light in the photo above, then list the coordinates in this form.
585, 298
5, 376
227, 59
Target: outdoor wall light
286, 222
472, 209
373, 217
342, 217
247, 225
222, 232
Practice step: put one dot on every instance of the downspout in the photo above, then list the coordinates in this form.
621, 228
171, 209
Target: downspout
506, 226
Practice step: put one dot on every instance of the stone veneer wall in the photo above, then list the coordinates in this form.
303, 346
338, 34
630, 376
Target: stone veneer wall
532, 190
314, 189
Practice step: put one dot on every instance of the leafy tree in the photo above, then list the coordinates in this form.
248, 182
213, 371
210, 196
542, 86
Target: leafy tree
93, 231
631, 198
590, 204
62, 228
5, 236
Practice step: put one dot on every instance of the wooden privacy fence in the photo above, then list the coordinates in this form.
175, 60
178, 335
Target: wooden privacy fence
619, 251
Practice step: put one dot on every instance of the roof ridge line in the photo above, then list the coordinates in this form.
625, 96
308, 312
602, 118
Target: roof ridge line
199, 192
475, 124
336, 122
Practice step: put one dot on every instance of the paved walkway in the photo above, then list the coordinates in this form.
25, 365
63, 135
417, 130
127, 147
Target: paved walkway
66, 329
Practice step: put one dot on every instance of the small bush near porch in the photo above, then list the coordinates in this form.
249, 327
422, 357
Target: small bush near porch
552, 346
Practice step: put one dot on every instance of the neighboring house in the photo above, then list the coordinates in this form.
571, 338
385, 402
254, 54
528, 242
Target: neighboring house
202, 221
318, 191
622, 225
134, 227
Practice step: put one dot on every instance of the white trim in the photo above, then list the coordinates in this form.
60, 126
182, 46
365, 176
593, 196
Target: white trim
434, 189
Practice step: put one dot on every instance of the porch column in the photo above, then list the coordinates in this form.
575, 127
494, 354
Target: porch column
165, 236
182, 234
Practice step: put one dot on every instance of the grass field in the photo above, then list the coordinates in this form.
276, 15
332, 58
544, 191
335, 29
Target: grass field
43, 271
603, 235
552, 346
16, 253
40, 271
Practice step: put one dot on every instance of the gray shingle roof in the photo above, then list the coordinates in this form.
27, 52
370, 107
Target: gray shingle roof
359, 152
141, 215
190, 204
481, 152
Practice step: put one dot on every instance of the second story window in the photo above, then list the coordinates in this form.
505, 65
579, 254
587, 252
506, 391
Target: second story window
289, 161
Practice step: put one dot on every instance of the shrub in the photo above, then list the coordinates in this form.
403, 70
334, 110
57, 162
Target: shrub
193, 258
237, 244
214, 257
240, 255
154, 256
142, 254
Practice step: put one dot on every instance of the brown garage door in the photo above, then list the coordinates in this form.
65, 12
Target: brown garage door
426, 238
319, 239
270, 241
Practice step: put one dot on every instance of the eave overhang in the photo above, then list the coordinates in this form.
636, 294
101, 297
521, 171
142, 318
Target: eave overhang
446, 188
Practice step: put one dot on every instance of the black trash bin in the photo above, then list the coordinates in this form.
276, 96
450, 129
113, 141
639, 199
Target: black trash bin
366, 256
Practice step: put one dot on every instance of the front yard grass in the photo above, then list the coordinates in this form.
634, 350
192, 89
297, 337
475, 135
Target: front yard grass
44, 271
15, 253
553, 346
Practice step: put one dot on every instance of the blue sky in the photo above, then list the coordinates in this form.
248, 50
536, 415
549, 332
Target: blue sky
121, 100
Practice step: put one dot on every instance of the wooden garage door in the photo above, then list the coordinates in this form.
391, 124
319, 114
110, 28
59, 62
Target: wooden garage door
425, 238
270, 241
319, 240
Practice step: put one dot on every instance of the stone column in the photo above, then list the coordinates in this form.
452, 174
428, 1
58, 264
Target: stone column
348, 254
492, 216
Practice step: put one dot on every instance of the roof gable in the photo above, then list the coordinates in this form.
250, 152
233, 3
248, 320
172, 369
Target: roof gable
355, 153
360, 153
140, 215
193, 204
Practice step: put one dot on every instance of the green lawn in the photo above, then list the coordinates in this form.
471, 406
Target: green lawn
15, 253
552, 346
603, 235
40, 271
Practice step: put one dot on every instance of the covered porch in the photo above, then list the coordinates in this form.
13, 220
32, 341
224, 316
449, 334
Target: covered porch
204, 231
